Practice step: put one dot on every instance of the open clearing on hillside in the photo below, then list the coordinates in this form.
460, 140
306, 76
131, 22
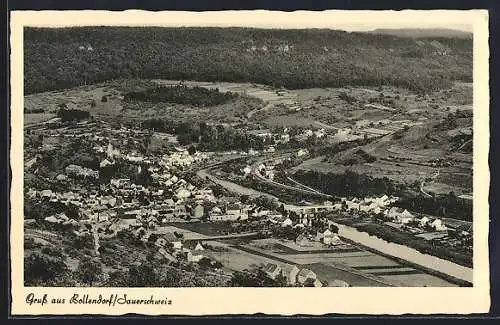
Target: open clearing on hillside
33, 118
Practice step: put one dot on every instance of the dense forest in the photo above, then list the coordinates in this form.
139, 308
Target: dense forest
69, 57
181, 94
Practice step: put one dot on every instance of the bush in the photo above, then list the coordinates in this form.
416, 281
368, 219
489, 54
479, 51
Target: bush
42, 269
89, 271
29, 243
68, 115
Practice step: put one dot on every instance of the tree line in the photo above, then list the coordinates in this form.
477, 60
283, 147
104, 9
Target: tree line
181, 94
68, 115
348, 184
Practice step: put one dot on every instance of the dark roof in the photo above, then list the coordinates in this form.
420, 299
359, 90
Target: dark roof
270, 267
232, 207
301, 237
170, 237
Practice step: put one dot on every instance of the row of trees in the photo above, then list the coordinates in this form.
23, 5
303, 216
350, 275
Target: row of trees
439, 205
68, 115
347, 184
40, 209
331, 151
318, 58
181, 94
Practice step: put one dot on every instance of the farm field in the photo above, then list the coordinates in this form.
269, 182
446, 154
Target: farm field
369, 264
33, 118
188, 235
205, 228
115, 106
239, 260
330, 273
405, 167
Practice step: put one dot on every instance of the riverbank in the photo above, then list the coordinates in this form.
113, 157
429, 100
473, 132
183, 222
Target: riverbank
450, 271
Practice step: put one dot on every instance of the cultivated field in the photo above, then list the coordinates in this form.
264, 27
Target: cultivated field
348, 263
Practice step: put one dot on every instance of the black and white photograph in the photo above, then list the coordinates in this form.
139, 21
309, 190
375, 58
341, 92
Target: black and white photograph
322, 155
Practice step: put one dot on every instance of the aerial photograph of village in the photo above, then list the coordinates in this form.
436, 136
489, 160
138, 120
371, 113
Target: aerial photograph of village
247, 157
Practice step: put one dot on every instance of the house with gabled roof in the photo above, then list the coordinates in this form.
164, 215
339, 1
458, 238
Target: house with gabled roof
304, 275
194, 256
302, 240
290, 273
199, 247
173, 239
272, 270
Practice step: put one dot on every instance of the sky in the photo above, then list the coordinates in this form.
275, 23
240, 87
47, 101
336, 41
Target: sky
333, 19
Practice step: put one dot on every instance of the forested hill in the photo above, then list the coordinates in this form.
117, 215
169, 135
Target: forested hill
423, 32
64, 58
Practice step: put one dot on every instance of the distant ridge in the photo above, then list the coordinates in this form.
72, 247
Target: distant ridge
422, 32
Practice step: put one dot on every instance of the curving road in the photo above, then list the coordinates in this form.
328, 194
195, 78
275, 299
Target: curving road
422, 184
265, 108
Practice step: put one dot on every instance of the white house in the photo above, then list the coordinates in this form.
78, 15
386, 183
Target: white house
183, 194
320, 133
351, 205
304, 275
194, 257
198, 211
172, 239
302, 152
247, 170
399, 215
216, 211
334, 239
287, 222
272, 270
290, 273
423, 222
405, 217
438, 225
61, 177
199, 247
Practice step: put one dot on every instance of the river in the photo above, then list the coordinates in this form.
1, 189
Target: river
406, 253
